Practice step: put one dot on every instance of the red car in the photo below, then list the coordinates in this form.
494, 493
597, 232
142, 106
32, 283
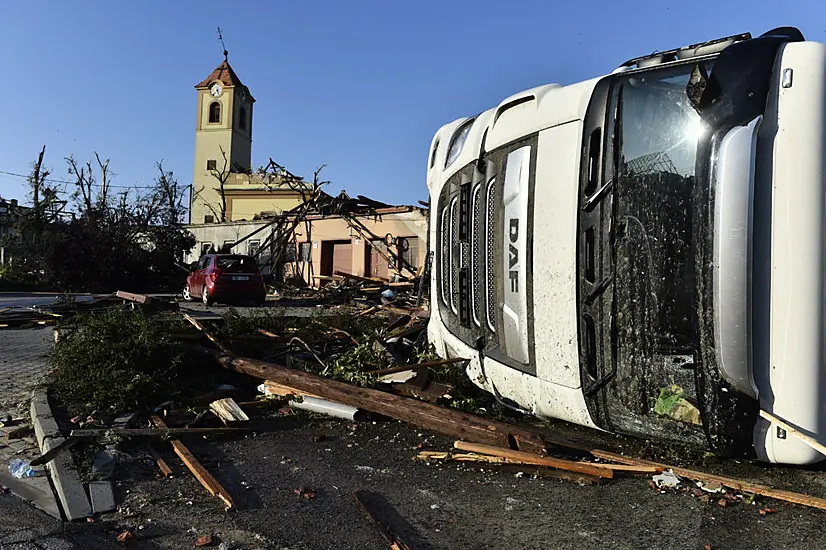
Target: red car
225, 278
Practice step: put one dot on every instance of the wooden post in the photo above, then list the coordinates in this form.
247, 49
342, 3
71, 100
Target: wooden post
439, 419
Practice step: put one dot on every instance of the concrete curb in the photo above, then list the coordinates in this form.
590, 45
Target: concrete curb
64, 474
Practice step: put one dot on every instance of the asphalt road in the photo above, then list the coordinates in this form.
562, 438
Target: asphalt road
28, 299
433, 506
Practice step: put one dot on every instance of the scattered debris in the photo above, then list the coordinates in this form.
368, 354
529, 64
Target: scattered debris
207, 480
228, 411
205, 541
736, 484
667, 479
126, 536
598, 470
766, 511
306, 492
672, 403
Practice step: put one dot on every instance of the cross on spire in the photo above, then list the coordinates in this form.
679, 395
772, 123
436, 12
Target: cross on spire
221, 39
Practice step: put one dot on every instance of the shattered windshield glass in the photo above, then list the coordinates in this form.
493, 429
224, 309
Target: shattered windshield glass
658, 149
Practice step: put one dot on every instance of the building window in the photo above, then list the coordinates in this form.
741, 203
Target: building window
226, 248
242, 119
212, 164
305, 251
215, 111
209, 218
253, 247
205, 248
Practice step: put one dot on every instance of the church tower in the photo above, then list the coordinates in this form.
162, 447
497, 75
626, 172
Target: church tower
223, 139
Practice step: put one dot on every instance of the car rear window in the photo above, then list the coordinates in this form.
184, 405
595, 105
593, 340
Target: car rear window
237, 264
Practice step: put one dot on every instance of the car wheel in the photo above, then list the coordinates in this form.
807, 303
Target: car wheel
205, 297
187, 294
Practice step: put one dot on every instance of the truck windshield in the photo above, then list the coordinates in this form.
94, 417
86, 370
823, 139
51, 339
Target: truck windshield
657, 140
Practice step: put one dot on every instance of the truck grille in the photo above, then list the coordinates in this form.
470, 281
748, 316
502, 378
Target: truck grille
490, 219
454, 254
475, 256
466, 285
444, 259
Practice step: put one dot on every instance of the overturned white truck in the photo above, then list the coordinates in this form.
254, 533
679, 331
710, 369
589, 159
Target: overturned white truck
612, 251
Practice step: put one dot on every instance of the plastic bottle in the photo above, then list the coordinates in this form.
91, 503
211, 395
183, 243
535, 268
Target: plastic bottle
20, 468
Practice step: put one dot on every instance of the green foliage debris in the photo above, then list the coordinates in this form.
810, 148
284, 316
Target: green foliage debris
122, 360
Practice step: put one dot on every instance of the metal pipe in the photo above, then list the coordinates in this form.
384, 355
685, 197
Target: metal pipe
331, 408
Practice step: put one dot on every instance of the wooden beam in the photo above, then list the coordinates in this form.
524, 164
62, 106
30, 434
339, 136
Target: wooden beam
439, 419
732, 483
419, 366
360, 278
162, 465
201, 474
151, 432
195, 323
139, 298
267, 333
392, 539
810, 441
280, 389
528, 458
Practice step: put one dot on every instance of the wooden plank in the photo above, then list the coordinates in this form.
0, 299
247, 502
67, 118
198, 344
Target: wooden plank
392, 538
162, 465
49, 455
267, 333
419, 366
228, 411
736, 484
201, 474
450, 422
279, 389
139, 298
150, 432
360, 278
528, 458
18, 432
401, 285
810, 441
208, 334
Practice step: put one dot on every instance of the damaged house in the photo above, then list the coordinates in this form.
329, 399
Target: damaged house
291, 226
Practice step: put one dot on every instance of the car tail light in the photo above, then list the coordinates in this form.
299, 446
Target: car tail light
213, 276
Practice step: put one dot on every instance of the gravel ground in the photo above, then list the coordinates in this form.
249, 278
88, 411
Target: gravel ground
433, 506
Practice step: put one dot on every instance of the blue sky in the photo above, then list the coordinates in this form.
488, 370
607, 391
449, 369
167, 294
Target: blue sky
360, 85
